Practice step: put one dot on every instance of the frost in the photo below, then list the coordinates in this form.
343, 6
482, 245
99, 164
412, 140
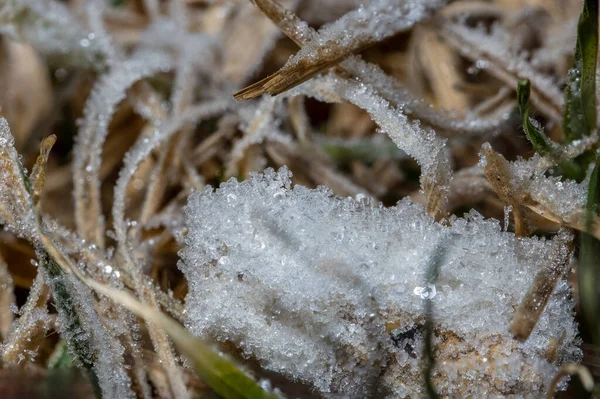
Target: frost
420, 143
51, 28
16, 207
331, 292
101, 105
493, 49
372, 22
80, 326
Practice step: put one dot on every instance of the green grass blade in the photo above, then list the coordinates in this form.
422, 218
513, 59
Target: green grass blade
222, 375
589, 261
540, 142
580, 105
532, 128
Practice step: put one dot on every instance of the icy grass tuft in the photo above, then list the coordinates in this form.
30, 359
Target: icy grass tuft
329, 291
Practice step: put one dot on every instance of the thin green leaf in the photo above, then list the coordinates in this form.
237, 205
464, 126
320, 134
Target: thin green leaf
532, 128
570, 169
589, 267
580, 105
60, 358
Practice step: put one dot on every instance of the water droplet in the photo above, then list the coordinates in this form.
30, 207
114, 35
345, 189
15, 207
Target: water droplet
427, 292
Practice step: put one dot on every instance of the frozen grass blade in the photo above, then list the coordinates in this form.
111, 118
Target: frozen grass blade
108, 92
580, 108
535, 299
388, 87
352, 33
78, 339
497, 171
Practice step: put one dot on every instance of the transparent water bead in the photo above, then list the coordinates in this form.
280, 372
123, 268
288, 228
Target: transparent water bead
427, 292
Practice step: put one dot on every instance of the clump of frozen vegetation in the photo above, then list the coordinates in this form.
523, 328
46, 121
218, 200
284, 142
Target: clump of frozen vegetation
331, 291
375, 284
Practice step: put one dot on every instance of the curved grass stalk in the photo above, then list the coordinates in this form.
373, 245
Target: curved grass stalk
388, 87
100, 107
421, 144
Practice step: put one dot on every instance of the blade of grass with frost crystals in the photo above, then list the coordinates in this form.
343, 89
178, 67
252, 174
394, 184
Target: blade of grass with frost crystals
100, 106
77, 338
534, 302
388, 87
580, 108
497, 171
350, 34
140, 151
535, 133
477, 45
53, 30
421, 144
16, 205
32, 323
589, 268
219, 373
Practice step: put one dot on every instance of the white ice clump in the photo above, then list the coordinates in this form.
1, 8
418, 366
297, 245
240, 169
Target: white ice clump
331, 292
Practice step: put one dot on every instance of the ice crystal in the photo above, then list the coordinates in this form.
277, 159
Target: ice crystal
330, 291
51, 28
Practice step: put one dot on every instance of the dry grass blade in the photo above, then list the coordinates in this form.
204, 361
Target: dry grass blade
572, 369
497, 171
101, 105
38, 173
243, 57
30, 328
7, 300
477, 46
543, 285
334, 43
388, 87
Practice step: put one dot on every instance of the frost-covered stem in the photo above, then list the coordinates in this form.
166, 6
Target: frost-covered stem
388, 87
29, 325
352, 33
142, 149
73, 327
106, 95
477, 46
421, 144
